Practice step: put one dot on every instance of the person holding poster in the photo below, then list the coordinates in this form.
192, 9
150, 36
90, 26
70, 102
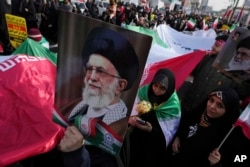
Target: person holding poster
240, 63
206, 78
111, 66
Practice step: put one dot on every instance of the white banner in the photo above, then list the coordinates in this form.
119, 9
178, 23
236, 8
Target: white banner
179, 43
183, 43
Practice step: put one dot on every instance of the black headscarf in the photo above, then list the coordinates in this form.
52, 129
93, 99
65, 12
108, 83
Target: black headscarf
230, 99
166, 78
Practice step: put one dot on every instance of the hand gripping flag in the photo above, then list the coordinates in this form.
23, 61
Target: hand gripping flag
96, 132
27, 87
244, 121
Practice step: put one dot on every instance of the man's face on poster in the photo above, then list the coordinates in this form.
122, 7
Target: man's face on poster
241, 60
101, 82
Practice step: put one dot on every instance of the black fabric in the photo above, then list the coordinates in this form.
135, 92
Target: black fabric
100, 158
222, 37
229, 99
244, 43
206, 78
236, 145
166, 78
195, 149
148, 149
52, 158
4, 37
77, 158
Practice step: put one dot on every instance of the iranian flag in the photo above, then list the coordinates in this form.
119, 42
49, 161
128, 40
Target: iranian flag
204, 25
233, 27
215, 23
191, 23
181, 66
244, 121
156, 39
27, 86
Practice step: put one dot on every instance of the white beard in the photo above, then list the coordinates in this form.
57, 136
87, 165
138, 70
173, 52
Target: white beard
234, 65
100, 98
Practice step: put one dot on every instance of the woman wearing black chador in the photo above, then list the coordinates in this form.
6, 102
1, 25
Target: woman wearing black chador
199, 135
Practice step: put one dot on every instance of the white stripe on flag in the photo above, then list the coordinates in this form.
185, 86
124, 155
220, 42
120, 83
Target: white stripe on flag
244, 121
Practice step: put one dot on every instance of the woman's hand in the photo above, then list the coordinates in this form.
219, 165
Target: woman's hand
72, 140
132, 120
214, 157
145, 126
176, 145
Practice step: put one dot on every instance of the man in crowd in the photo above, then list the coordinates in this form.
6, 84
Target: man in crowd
205, 78
5, 7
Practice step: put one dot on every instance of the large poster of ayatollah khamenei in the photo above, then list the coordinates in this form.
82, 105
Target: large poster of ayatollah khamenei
99, 70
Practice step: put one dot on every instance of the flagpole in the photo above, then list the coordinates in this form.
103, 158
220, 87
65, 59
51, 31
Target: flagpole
241, 12
225, 138
234, 8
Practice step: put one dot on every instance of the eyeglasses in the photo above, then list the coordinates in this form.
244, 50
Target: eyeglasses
99, 71
243, 55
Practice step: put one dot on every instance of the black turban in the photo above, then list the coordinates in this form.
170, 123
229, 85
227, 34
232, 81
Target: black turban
116, 48
244, 43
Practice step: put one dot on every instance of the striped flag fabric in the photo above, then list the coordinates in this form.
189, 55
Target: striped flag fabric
204, 25
182, 66
156, 39
233, 26
58, 118
191, 23
27, 86
215, 23
244, 121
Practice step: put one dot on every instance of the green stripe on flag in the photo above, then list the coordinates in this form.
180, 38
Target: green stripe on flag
105, 140
59, 120
156, 39
32, 48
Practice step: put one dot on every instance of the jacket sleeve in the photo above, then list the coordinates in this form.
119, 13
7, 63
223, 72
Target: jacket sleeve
77, 158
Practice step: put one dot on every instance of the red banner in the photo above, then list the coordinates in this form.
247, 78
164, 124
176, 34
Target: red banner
27, 87
182, 66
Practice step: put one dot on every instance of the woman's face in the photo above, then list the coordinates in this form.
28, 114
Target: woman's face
215, 107
158, 89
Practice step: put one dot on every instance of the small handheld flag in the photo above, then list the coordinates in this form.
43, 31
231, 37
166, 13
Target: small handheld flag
244, 121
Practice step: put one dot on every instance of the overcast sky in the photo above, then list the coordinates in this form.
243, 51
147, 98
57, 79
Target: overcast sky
222, 4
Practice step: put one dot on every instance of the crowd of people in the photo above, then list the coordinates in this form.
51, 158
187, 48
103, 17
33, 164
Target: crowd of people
178, 130
43, 14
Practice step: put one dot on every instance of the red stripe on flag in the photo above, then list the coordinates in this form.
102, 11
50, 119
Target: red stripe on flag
181, 66
244, 121
245, 127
